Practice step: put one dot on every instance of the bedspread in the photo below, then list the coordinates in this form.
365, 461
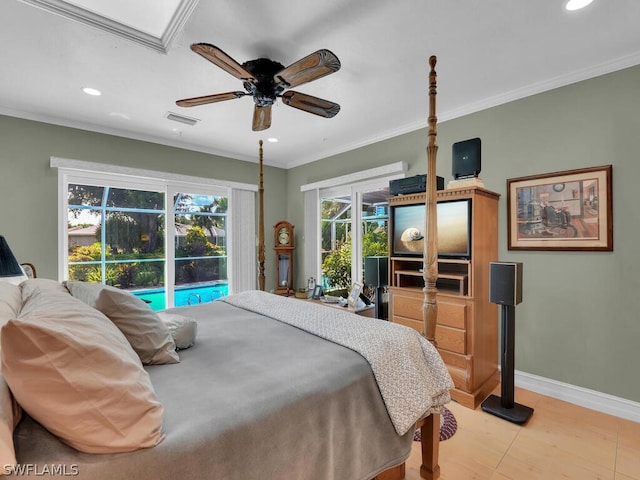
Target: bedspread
410, 373
253, 398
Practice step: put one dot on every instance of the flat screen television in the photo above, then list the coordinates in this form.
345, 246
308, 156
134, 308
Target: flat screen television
454, 229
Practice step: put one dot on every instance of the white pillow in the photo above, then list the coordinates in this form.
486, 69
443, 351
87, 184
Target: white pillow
147, 334
90, 388
36, 284
183, 329
10, 303
9, 416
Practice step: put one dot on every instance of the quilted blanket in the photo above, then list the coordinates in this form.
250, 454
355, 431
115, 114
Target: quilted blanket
412, 378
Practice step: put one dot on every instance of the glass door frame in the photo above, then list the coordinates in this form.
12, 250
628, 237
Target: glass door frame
356, 192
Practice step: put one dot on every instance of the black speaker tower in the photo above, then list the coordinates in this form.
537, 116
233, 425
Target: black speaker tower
505, 281
375, 274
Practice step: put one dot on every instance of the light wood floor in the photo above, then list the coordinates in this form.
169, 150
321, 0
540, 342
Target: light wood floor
560, 441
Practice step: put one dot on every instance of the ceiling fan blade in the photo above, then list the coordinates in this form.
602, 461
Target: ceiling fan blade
221, 59
310, 104
318, 64
261, 118
218, 97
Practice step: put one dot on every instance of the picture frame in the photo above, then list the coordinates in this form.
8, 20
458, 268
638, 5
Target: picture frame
317, 292
567, 210
354, 296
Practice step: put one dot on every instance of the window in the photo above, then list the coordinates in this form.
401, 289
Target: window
353, 226
335, 227
165, 241
200, 247
116, 236
345, 221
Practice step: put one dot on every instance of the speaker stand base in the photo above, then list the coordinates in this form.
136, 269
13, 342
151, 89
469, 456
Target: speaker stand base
519, 414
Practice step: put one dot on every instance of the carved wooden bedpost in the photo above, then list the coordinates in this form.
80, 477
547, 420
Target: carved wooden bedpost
430, 267
260, 224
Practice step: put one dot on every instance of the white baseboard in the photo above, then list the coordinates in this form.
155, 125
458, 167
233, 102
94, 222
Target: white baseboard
584, 397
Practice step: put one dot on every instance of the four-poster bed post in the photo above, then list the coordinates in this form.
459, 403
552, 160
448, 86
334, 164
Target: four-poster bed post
260, 223
430, 266
430, 426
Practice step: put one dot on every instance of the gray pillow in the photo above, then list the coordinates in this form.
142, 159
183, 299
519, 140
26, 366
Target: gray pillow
147, 334
183, 329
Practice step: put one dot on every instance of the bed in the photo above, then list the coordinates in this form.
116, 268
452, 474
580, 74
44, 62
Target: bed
237, 407
94, 385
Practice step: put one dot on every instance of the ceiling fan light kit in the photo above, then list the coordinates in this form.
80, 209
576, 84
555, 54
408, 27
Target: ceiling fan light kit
266, 80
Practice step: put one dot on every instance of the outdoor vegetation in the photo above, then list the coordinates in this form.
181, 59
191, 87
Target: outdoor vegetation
133, 254
336, 241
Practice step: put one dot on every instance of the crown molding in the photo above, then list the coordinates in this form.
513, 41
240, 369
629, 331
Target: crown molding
160, 44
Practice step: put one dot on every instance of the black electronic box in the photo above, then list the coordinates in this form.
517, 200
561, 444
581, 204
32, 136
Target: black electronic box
415, 184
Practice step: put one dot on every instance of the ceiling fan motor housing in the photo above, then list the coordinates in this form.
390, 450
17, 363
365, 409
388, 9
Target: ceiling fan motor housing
264, 90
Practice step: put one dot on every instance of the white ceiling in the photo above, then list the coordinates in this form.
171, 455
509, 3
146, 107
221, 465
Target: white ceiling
489, 52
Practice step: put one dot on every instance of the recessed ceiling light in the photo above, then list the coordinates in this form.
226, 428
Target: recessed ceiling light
577, 4
272, 140
91, 91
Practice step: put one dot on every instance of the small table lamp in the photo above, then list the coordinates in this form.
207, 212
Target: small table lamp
10, 270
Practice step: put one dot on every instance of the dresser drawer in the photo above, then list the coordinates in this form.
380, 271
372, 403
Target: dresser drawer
447, 338
452, 314
449, 313
409, 307
451, 339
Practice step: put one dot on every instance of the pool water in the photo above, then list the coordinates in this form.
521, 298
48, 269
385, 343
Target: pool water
191, 295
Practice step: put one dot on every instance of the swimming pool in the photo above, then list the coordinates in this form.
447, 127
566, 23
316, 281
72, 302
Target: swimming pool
192, 294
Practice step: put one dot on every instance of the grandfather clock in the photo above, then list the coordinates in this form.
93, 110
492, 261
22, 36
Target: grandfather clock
283, 245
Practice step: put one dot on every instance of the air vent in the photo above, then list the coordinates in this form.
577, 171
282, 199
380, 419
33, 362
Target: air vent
182, 119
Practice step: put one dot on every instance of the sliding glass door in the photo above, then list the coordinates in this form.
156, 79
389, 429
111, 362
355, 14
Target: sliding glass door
117, 234
335, 227
353, 225
200, 255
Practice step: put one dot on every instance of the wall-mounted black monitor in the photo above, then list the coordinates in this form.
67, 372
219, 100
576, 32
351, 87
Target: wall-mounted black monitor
454, 229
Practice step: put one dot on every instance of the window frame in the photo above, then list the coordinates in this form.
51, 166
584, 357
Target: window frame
89, 173
353, 184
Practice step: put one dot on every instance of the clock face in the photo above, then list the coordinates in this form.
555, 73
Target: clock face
283, 236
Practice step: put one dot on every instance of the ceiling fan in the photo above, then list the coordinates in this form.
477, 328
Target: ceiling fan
266, 80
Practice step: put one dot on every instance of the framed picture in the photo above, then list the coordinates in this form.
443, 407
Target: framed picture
355, 294
570, 210
317, 292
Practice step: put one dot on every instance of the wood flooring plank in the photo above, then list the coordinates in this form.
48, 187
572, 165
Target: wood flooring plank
531, 459
620, 476
628, 457
560, 441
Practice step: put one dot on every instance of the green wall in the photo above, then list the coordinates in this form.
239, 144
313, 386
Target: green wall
29, 188
579, 321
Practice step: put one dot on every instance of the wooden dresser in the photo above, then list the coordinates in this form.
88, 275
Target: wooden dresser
467, 328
